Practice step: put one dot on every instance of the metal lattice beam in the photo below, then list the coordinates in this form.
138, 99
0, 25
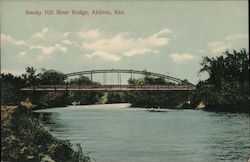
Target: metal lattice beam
129, 72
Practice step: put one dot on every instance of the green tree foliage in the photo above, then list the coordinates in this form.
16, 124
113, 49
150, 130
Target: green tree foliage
82, 96
51, 77
227, 87
24, 140
30, 76
31, 80
82, 80
11, 85
170, 99
117, 97
85, 98
10, 89
51, 99
154, 81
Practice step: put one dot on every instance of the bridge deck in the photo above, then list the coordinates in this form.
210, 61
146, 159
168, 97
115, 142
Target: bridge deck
109, 88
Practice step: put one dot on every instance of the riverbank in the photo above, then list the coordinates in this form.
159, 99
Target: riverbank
24, 140
93, 106
228, 108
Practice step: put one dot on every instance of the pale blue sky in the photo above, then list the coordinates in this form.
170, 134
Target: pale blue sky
168, 37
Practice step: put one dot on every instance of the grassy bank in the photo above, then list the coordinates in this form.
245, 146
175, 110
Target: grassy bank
24, 140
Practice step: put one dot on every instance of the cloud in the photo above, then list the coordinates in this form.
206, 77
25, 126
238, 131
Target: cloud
121, 46
61, 48
104, 55
237, 36
9, 39
138, 52
41, 34
21, 54
218, 47
67, 42
181, 57
163, 31
91, 34
66, 34
47, 50
113, 48
114, 44
201, 51
230, 42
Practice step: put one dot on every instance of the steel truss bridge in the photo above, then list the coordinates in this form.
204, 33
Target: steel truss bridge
180, 85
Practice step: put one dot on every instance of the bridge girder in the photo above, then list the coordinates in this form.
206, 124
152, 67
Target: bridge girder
129, 72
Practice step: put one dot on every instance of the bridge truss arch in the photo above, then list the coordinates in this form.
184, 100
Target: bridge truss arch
181, 85
120, 71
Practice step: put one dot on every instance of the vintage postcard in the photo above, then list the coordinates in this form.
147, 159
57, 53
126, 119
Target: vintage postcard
125, 81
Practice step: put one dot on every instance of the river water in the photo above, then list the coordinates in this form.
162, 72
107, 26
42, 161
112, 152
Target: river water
112, 133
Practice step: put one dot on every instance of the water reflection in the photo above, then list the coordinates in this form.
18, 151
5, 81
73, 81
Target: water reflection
51, 121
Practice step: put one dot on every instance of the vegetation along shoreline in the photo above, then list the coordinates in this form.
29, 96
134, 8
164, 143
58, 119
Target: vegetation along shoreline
24, 139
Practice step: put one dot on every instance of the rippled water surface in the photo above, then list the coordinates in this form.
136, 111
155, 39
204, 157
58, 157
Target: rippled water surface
111, 133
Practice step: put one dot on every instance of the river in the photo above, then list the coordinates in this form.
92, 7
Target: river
112, 133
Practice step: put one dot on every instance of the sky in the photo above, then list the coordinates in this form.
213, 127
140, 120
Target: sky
166, 37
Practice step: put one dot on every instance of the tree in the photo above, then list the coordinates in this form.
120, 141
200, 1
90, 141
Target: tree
82, 80
84, 97
228, 67
30, 76
154, 99
228, 77
10, 89
51, 77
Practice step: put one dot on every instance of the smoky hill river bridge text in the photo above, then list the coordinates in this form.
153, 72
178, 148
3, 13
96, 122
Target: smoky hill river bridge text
178, 84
